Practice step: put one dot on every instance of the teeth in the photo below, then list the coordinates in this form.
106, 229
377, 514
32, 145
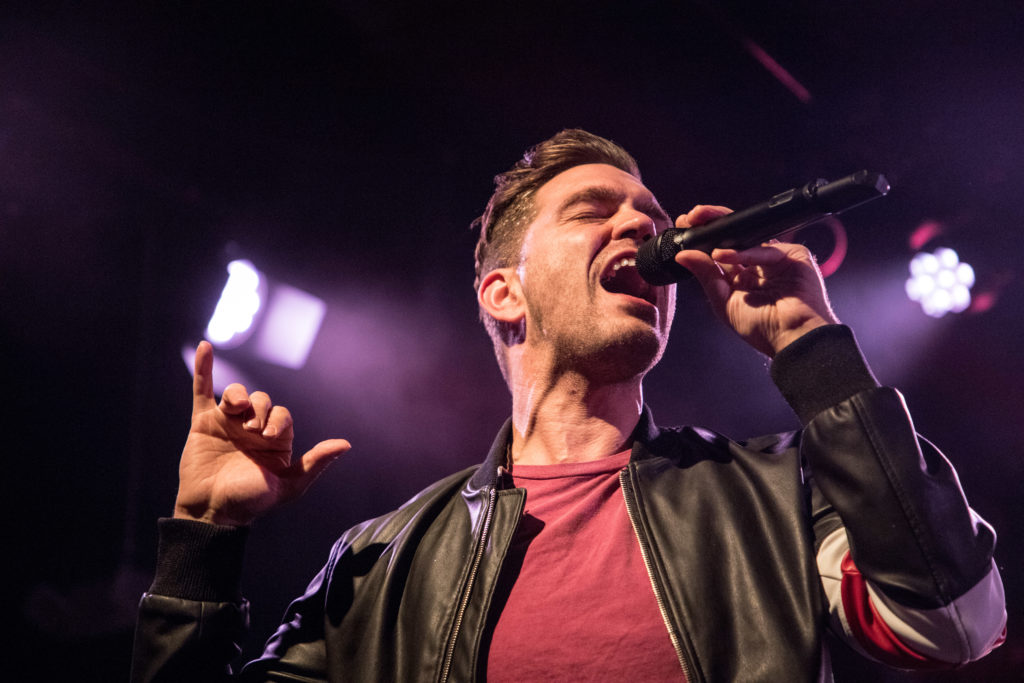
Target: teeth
622, 263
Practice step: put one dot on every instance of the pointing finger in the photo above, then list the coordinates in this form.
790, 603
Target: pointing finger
202, 378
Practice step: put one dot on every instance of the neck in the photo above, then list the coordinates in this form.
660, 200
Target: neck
568, 418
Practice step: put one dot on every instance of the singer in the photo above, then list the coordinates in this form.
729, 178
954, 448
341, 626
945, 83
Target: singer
592, 543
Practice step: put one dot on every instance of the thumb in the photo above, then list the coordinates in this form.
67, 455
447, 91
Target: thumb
313, 462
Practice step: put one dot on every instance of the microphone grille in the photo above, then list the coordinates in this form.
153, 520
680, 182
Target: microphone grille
655, 260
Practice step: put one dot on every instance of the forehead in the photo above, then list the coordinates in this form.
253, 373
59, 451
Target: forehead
578, 179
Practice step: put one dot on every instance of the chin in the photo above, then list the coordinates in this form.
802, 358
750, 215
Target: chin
624, 356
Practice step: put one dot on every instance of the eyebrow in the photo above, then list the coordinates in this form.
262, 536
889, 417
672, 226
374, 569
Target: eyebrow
599, 194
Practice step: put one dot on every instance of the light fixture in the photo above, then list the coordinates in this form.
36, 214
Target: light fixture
274, 321
233, 319
940, 282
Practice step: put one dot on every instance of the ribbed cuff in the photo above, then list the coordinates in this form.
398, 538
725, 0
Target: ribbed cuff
198, 561
820, 369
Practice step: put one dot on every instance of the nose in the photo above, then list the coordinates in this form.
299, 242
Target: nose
634, 225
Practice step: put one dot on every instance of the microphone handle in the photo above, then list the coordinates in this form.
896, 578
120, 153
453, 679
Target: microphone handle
752, 226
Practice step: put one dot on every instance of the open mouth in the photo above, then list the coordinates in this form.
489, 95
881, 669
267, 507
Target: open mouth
622, 277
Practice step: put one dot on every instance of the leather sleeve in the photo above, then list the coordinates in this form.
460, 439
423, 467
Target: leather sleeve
193, 616
910, 529
186, 640
912, 541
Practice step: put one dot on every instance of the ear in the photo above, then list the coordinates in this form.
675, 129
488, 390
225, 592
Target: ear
499, 294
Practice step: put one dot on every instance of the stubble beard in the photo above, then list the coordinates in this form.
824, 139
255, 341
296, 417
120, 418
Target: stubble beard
605, 351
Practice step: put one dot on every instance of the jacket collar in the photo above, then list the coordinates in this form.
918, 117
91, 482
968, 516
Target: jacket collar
643, 436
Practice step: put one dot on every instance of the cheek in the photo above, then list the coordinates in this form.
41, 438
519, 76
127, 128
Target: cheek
552, 265
551, 269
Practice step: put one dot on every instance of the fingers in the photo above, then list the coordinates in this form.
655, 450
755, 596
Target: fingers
768, 254
278, 423
256, 418
259, 412
202, 377
312, 464
700, 264
726, 271
709, 274
316, 459
235, 400
751, 268
701, 214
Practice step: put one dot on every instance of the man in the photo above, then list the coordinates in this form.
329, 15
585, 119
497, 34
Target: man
591, 544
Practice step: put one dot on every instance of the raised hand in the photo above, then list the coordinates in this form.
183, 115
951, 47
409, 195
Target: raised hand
771, 294
237, 461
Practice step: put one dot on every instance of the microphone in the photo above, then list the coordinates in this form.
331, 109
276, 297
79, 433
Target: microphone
655, 260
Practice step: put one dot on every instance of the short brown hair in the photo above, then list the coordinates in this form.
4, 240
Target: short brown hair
511, 208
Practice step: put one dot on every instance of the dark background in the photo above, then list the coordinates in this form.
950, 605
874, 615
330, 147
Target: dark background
344, 147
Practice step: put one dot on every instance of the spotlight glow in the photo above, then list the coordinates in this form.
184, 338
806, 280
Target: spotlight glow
940, 282
289, 327
232, 319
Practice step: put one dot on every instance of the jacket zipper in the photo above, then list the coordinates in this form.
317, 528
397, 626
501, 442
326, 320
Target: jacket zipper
658, 593
450, 652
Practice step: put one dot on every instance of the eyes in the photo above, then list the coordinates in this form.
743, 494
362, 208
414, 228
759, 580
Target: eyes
601, 204
586, 216
592, 211
601, 214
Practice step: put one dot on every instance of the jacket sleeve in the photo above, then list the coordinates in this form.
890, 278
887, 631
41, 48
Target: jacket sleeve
905, 563
193, 616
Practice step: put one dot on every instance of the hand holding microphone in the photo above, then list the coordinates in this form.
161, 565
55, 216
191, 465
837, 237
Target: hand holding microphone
747, 228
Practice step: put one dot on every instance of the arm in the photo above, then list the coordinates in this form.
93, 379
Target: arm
236, 465
906, 564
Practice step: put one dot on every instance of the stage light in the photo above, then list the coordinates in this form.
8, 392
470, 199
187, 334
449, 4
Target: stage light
940, 282
224, 371
282, 321
289, 327
232, 320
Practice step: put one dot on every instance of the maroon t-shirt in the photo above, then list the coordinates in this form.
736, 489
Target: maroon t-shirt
582, 607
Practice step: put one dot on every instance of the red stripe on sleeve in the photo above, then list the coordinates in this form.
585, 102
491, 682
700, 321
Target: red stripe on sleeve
871, 631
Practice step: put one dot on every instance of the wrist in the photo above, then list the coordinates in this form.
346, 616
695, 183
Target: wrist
199, 561
206, 516
789, 336
820, 370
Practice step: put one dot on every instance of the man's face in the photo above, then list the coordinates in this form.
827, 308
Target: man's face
586, 303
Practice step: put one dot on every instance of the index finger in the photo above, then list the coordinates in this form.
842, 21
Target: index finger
765, 254
202, 379
701, 214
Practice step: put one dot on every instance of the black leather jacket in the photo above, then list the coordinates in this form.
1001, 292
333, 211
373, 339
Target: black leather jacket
728, 532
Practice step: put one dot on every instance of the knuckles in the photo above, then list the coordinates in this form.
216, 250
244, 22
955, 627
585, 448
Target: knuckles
234, 394
282, 416
260, 397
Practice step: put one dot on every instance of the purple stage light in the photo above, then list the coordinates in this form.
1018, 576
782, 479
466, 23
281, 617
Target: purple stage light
282, 321
224, 371
289, 327
940, 282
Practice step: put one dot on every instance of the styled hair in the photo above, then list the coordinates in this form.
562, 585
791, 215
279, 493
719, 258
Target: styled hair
512, 208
